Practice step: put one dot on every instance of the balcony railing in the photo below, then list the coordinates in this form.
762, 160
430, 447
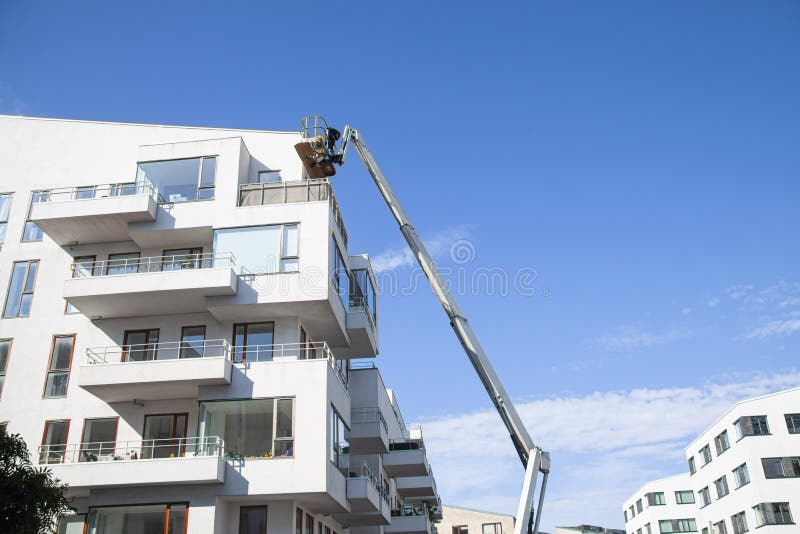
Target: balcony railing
122, 451
368, 415
119, 189
363, 471
406, 445
292, 191
151, 264
411, 510
360, 304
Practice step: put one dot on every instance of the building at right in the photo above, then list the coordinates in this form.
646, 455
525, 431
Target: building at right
744, 474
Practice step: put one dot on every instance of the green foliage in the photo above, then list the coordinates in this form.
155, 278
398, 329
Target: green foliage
31, 499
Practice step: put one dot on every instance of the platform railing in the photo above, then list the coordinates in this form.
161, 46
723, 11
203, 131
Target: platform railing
149, 264
368, 415
126, 451
85, 192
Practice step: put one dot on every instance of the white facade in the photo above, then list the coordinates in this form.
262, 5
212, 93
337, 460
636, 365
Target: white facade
179, 315
744, 472
666, 499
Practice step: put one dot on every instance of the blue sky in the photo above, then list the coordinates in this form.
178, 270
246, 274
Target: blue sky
639, 157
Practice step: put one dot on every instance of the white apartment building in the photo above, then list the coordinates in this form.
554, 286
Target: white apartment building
179, 313
744, 472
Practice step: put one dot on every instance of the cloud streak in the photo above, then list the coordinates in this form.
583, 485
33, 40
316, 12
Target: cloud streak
437, 244
604, 445
633, 338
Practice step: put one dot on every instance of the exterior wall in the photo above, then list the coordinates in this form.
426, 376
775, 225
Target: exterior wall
473, 519
747, 450
49, 154
651, 515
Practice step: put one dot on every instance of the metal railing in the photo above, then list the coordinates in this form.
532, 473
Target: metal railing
360, 304
411, 510
406, 445
363, 471
125, 451
165, 350
149, 264
368, 415
293, 191
85, 192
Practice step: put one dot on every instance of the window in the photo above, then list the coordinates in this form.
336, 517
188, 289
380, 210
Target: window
32, 232
639, 507
739, 523
261, 249
793, 422
362, 292
253, 520
258, 428
491, 528
340, 440
773, 513
741, 475
138, 519
252, 342
647, 529
684, 497
753, 425
193, 341
705, 453
127, 263
99, 439
5, 352
269, 177
721, 485
83, 266
720, 528
181, 180
692, 468
786, 467
298, 521
340, 278
140, 345
655, 499
182, 258
71, 524
54, 442
309, 525
461, 529
164, 435
5, 208
61, 351
20, 289
669, 526
625, 513
632, 513
705, 497
721, 442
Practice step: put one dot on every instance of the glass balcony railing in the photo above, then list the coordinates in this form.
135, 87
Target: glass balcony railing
135, 264
119, 451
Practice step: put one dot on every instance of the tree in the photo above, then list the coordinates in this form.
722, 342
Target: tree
31, 498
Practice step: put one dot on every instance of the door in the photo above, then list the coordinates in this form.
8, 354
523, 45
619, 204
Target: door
164, 435
252, 342
140, 345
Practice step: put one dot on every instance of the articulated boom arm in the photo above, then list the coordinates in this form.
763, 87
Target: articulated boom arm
533, 458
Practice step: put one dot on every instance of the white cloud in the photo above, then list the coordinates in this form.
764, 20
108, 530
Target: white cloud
777, 305
437, 244
686, 311
713, 302
631, 338
779, 327
604, 446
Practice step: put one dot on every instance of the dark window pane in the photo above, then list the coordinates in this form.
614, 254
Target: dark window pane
253, 520
32, 232
57, 384
62, 350
15, 289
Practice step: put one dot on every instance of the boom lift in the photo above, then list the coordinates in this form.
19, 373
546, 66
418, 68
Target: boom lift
324, 147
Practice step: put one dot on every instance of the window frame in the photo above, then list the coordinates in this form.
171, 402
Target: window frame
182, 347
173, 437
245, 344
707, 458
46, 193
198, 185
4, 221
167, 512
67, 370
722, 482
739, 527
741, 469
252, 507
684, 492
792, 422
283, 256
147, 332
197, 262
4, 368
88, 419
22, 292
720, 440
47, 425
498, 528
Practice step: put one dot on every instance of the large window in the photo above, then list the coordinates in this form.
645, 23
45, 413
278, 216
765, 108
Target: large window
773, 513
362, 292
684, 497
340, 440
793, 422
54, 442
181, 180
32, 232
261, 249
164, 435
785, 467
71, 524
340, 278
193, 341
5, 352
140, 345
5, 208
60, 362
258, 428
125, 263
752, 425
668, 526
178, 259
721, 485
742, 475
253, 520
140, 519
739, 523
655, 498
253, 342
99, 439
20, 289
721, 442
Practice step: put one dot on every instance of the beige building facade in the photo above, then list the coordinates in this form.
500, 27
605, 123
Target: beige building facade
458, 520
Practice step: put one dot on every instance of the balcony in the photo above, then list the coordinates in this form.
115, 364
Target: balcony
95, 213
410, 519
148, 462
417, 486
406, 458
369, 433
369, 504
151, 285
153, 371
